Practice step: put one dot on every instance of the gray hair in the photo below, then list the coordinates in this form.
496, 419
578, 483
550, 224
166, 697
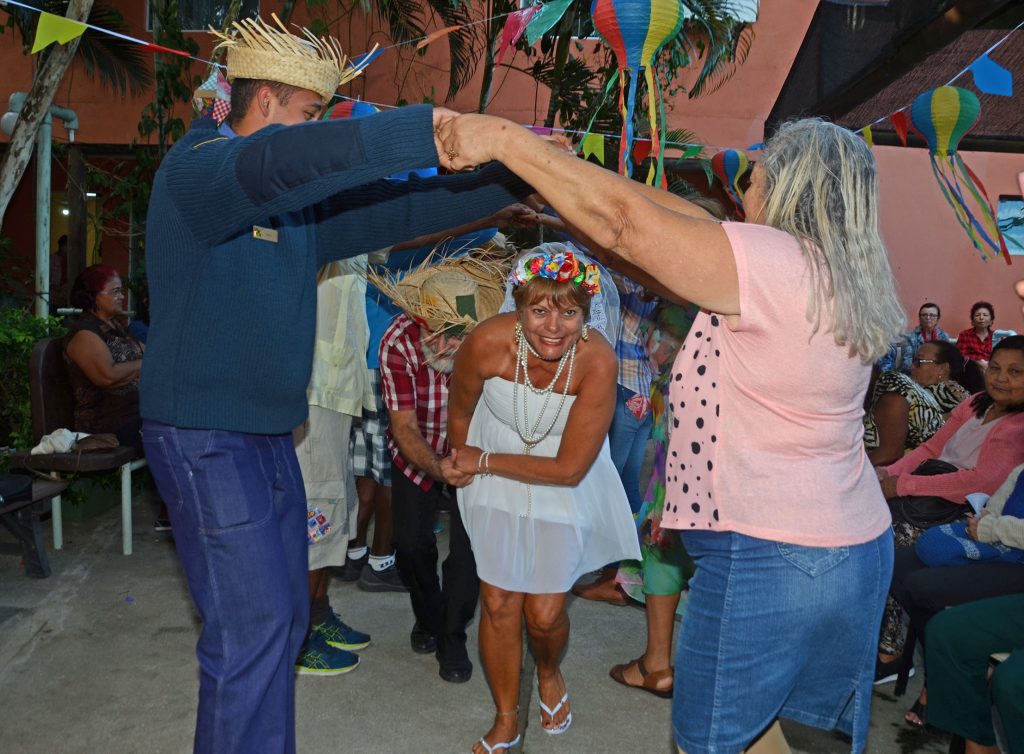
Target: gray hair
821, 186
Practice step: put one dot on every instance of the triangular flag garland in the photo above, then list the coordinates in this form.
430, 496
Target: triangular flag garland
436, 35
547, 16
899, 124
868, 137
593, 146
58, 29
992, 78
513, 30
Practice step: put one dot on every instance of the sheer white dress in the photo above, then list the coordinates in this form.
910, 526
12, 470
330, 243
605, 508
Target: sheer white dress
540, 538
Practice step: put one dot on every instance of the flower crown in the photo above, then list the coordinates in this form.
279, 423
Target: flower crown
562, 267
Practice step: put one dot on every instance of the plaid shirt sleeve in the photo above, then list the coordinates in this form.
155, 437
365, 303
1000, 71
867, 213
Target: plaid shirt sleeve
398, 364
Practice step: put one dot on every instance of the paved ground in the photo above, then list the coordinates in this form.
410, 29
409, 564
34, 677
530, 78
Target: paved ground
99, 658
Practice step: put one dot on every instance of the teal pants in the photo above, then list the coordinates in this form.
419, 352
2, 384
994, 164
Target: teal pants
960, 696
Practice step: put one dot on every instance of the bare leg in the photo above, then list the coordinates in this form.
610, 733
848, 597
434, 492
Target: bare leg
661, 613
501, 649
318, 602
547, 623
970, 747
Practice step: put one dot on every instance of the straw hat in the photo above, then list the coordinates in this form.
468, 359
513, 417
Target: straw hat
257, 50
455, 293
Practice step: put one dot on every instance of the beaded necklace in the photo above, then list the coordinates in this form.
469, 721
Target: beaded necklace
531, 436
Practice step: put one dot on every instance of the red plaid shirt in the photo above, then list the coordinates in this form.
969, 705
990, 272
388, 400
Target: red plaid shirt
973, 347
408, 383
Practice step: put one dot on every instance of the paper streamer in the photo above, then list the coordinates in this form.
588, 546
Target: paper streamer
435, 36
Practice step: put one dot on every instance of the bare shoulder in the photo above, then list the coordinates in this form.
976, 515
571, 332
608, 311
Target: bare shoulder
597, 357
491, 343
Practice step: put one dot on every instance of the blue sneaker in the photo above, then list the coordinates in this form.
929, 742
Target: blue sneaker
339, 634
319, 658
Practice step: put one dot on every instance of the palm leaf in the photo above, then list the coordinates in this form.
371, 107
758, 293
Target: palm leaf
117, 63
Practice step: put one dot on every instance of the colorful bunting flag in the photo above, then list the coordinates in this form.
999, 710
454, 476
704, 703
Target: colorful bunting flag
541, 130
868, 137
641, 150
436, 35
593, 145
692, 151
515, 25
546, 17
899, 123
53, 28
992, 78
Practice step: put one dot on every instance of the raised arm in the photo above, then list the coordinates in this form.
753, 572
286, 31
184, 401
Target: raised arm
669, 238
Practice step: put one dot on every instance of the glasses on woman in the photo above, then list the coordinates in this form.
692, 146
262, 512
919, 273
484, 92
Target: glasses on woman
918, 362
114, 292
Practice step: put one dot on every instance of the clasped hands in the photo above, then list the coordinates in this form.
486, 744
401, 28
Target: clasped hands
460, 465
464, 141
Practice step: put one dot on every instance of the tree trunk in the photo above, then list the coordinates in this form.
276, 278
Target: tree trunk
37, 105
561, 56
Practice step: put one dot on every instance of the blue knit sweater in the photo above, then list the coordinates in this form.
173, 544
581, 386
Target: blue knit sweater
232, 315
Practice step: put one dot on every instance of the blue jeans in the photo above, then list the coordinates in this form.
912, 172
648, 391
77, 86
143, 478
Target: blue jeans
238, 508
627, 441
777, 630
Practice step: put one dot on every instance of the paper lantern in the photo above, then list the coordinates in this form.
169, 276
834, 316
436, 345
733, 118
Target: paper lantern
729, 166
636, 30
349, 108
943, 116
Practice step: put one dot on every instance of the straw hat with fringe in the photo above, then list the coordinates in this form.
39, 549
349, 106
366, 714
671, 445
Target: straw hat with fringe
450, 294
257, 50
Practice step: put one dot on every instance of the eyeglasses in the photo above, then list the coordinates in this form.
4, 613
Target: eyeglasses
918, 362
928, 316
114, 292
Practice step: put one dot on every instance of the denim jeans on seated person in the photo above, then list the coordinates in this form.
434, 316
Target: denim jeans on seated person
627, 441
777, 630
238, 509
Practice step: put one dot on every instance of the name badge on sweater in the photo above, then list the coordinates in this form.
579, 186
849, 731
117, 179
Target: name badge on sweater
264, 234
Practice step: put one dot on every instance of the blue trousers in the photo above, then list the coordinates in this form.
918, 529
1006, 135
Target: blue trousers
627, 441
238, 508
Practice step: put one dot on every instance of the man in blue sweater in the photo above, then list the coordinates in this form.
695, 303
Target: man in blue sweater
240, 220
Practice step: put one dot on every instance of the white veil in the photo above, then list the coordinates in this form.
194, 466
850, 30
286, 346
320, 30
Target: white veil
604, 307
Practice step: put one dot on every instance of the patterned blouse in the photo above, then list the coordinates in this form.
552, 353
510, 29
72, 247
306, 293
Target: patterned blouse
948, 395
100, 409
926, 415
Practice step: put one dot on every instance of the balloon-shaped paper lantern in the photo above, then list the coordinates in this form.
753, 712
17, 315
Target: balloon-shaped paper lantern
636, 30
349, 108
729, 166
943, 116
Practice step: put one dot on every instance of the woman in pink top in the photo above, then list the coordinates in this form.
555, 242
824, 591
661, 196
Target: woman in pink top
766, 478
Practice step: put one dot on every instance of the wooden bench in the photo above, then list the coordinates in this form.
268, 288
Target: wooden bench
21, 518
52, 408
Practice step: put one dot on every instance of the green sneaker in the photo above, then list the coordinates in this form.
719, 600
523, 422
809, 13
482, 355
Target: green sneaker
319, 658
339, 634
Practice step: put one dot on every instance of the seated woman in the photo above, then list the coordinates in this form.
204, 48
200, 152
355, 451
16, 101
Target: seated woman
103, 363
978, 340
904, 411
973, 452
103, 359
963, 562
532, 398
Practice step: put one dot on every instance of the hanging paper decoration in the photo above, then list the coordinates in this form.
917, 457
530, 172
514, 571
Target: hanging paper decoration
547, 16
436, 35
213, 97
515, 25
991, 78
349, 108
636, 30
58, 29
729, 166
943, 116
899, 123
868, 137
593, 145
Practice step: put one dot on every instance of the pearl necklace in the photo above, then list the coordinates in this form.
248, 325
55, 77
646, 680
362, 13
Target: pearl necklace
531, 436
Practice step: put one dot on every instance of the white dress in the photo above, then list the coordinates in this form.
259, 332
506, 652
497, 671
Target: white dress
540, 538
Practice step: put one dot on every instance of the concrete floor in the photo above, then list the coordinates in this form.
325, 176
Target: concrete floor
100, 658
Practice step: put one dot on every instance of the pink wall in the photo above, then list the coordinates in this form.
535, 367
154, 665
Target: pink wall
932, 258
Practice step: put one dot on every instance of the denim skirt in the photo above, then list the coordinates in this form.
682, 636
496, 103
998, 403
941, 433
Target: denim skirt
777, 630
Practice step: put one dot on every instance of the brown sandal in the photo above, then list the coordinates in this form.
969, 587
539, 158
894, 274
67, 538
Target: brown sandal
650, 680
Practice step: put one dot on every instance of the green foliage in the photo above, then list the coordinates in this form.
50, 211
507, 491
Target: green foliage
16, 284
117, 63
19, 332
